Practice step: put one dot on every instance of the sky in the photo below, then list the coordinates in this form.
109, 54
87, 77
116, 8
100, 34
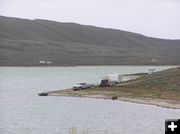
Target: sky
155, 18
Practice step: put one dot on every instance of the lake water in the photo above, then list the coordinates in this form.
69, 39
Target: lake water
22, 111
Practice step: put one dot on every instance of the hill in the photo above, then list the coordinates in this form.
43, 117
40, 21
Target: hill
166, 80
160, 88
26, 42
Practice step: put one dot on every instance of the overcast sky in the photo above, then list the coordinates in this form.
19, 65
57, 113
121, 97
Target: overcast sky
156, 18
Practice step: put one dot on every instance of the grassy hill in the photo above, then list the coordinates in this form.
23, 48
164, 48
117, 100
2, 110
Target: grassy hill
160, 88
26, 42
167, 80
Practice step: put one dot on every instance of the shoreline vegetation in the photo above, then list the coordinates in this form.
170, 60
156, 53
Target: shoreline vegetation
159, 88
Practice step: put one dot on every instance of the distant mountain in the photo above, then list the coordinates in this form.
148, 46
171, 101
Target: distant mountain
31, 42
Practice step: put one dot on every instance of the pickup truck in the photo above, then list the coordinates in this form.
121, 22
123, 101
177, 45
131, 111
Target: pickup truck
80, 86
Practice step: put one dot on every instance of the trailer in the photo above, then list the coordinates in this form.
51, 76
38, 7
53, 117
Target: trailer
111, 79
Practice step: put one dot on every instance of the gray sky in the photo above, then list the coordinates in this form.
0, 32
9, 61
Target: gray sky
156, 18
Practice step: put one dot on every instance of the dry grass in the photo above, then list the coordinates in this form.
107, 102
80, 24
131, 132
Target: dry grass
163, 86
168, 79
123, 91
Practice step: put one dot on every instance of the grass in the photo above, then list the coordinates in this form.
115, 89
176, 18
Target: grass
74, 130
155, 89
166, 80
26, 42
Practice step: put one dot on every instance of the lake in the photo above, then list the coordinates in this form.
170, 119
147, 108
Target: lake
22, 111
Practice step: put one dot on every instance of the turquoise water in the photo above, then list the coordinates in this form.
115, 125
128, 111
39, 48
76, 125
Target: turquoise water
22, 111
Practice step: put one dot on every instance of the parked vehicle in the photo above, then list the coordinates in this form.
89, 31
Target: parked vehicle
105, 82
80, 86
111, 79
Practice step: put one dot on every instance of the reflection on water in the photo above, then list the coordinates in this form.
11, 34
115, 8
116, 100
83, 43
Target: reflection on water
22, 111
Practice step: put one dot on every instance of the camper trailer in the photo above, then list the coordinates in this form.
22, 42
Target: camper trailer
111, 79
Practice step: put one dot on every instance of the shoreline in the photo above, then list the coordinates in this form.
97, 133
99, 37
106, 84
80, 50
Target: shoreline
159, 88
172, 104
173, 65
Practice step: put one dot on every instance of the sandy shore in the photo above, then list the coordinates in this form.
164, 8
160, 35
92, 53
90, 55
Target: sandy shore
121, 96
159, 88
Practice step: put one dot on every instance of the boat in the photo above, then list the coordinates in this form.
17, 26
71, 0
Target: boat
43, 94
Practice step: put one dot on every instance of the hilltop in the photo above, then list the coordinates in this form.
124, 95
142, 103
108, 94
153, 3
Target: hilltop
25, 42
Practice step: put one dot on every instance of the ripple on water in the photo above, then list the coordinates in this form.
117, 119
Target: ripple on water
23, 111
